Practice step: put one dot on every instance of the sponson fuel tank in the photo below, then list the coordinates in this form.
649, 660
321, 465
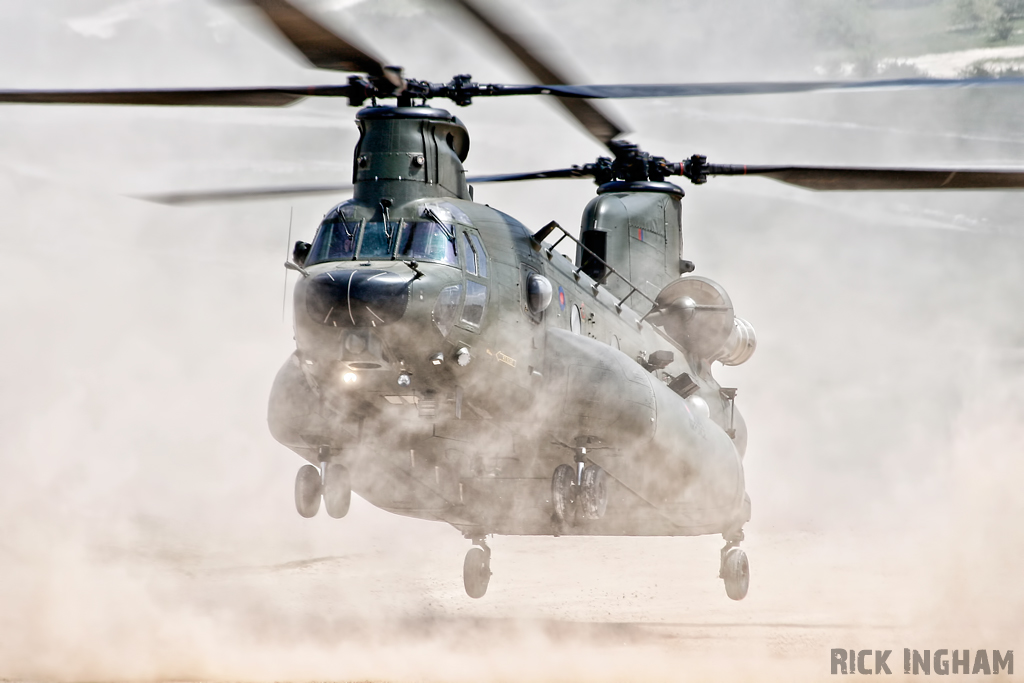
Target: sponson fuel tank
641, 432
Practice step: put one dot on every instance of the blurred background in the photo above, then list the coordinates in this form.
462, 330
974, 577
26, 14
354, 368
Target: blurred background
149, 525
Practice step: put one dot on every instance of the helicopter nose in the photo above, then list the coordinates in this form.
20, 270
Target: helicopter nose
357, 298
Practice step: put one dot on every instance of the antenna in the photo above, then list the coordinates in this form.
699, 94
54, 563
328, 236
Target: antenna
287, 247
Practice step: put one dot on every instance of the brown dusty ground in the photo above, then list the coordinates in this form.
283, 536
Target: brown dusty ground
557, 609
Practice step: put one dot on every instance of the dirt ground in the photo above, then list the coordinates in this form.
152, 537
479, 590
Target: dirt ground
378, 598
557, 609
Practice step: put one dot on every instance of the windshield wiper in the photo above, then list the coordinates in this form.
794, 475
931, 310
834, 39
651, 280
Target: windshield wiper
448, 230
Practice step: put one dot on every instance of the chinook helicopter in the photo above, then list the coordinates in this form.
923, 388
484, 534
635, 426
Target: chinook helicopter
451, 365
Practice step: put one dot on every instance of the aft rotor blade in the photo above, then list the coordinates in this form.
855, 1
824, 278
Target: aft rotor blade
227, 195
187, 97
320, 45
641, 90
539, 175
596, 122
841, 178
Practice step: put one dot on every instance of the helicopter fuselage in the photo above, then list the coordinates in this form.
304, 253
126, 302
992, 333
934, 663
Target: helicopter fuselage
451, 361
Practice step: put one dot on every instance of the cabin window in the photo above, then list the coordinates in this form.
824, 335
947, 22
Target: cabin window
575, 319
538, 294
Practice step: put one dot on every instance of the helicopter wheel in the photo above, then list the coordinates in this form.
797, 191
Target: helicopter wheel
594, 492
337, 490
735, 573
307, 491
476, 571
563, 492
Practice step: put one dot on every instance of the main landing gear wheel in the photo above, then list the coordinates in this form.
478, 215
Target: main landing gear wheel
337, 490
307, 491
594, 492
735, 573
476, 571
563, 492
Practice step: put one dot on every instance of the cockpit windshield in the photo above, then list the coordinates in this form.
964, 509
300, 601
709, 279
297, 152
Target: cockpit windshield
336, 240
423, 240
429, 241
379, 239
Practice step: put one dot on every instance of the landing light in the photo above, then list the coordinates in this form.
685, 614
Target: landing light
437, 358
404, 379
349, 378
462, 357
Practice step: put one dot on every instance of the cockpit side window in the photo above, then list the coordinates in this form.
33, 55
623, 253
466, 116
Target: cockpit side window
481, 255
475, 302
335, 241
470, 253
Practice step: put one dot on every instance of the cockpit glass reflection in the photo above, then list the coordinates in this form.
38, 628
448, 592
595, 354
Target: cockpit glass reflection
341, 240
378, 240
335, 241
429, 241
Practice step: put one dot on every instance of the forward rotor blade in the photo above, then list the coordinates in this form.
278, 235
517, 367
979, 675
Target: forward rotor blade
213, 196
320, 45
810, 177
237, 194
598, 123
630, 91
188, 97
539, 175
841, 178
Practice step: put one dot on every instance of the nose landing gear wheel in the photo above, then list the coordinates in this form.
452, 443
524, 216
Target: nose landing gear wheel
476, 571
307, 491
563, 493
337, 490
594, 492
736, 573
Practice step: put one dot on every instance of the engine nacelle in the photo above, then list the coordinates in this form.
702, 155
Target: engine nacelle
740, 345
697, 313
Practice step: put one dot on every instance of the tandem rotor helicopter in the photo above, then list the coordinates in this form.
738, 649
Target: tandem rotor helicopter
451, 365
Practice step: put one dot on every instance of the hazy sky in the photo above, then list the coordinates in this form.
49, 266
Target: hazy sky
883, 402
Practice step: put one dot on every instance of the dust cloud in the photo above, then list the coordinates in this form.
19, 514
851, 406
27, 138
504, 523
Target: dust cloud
149, 531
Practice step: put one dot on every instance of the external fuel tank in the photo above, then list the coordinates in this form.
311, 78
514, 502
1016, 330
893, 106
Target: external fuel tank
642, 433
